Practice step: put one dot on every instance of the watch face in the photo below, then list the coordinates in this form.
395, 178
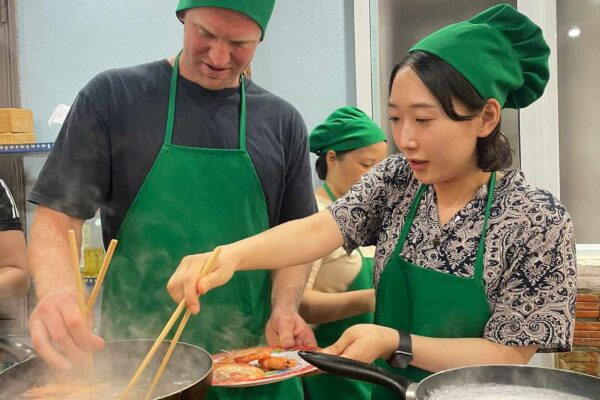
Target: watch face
400, 359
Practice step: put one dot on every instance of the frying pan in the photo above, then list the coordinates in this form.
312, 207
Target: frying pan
187, 377
564, 382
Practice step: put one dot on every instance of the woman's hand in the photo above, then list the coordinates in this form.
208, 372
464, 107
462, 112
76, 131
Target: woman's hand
366, 343
188, 283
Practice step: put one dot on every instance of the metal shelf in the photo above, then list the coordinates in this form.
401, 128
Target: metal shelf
26, 148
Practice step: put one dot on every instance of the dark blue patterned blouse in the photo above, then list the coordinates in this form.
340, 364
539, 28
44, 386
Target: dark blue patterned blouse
529, 270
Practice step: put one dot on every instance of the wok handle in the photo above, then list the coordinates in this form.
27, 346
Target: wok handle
348, 368
17, 349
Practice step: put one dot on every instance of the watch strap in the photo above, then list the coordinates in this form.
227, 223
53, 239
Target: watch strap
402, 356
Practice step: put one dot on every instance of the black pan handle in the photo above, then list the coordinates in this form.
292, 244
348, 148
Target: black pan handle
357, 370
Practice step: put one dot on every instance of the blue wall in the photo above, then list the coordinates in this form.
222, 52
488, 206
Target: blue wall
307, 56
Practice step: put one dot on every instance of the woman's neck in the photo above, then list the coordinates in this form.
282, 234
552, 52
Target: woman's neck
333, 191
454, 195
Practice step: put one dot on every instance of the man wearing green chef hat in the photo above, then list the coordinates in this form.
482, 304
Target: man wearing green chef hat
180, 155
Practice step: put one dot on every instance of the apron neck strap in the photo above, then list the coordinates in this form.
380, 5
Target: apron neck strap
410, 217
242, 113
173, 97
478, 273
329, 192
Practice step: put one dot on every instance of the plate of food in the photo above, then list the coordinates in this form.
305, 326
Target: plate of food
258, 366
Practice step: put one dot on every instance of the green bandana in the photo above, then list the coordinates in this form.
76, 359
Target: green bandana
500, 51
347, 128
259, 10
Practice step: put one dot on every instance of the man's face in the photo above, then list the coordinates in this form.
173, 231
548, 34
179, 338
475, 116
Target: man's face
217, 45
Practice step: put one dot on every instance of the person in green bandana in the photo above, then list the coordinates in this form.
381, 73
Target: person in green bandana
339, 292
180, 155
473, 265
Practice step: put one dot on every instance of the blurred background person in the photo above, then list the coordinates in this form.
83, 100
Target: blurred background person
15, 278
339, 292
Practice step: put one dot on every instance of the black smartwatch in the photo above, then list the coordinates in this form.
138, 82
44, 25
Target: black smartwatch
402, 356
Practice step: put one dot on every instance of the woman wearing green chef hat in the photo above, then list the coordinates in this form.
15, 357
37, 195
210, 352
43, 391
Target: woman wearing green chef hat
473, 265
339, 292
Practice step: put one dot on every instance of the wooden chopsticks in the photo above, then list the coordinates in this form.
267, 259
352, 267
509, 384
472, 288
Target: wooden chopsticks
205, 269
101, 275
168, 354
75, 264
86, 310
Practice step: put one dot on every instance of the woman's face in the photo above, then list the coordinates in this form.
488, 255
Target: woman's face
439, 149
345, 171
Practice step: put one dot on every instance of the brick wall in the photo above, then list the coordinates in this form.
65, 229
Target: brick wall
585, 356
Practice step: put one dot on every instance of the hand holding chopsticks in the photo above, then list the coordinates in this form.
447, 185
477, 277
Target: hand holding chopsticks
86, 310
205, 269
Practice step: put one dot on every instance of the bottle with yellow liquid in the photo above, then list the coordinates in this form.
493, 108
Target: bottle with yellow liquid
93, 255
93, 247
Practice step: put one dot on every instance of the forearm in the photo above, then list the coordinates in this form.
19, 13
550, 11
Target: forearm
288, 286
294, 243
319, 307
438, 354
15, 276
435, 354
49, 255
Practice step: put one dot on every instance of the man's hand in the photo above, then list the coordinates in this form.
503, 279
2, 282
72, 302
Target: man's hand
60, 334
366, 343
287, 329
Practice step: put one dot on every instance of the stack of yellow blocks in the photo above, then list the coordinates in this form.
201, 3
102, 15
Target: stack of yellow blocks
16, 126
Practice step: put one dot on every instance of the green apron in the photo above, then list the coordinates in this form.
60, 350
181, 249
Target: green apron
327, 386
430, 303
192, 200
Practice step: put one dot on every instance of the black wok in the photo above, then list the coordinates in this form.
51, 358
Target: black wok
564, 382
187, 377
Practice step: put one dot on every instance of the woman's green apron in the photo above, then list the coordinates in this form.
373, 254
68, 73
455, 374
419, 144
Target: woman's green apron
328, 386
425, 302
192, 200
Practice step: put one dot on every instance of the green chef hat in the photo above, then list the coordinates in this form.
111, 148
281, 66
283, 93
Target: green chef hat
500, 51
259, 10
347, 128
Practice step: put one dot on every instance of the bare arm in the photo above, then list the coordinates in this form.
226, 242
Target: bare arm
368, 342
319, 307
293, 243
435, 354
49, 251
296, 242
285, 327
15, 277
59, 332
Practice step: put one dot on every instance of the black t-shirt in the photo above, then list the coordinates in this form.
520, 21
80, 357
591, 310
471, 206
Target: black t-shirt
116, 126
9, 214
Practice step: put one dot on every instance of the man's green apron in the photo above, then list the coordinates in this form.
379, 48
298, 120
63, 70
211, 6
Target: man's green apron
193, 200
430, 303
327, 386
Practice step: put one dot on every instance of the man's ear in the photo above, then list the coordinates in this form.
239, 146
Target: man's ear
489, 118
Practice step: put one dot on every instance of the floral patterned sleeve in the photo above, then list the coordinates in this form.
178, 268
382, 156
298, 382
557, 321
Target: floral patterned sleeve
535, 303
360, 212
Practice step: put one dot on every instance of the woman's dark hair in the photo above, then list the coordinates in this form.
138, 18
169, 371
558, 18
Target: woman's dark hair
321, 163
446, 83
